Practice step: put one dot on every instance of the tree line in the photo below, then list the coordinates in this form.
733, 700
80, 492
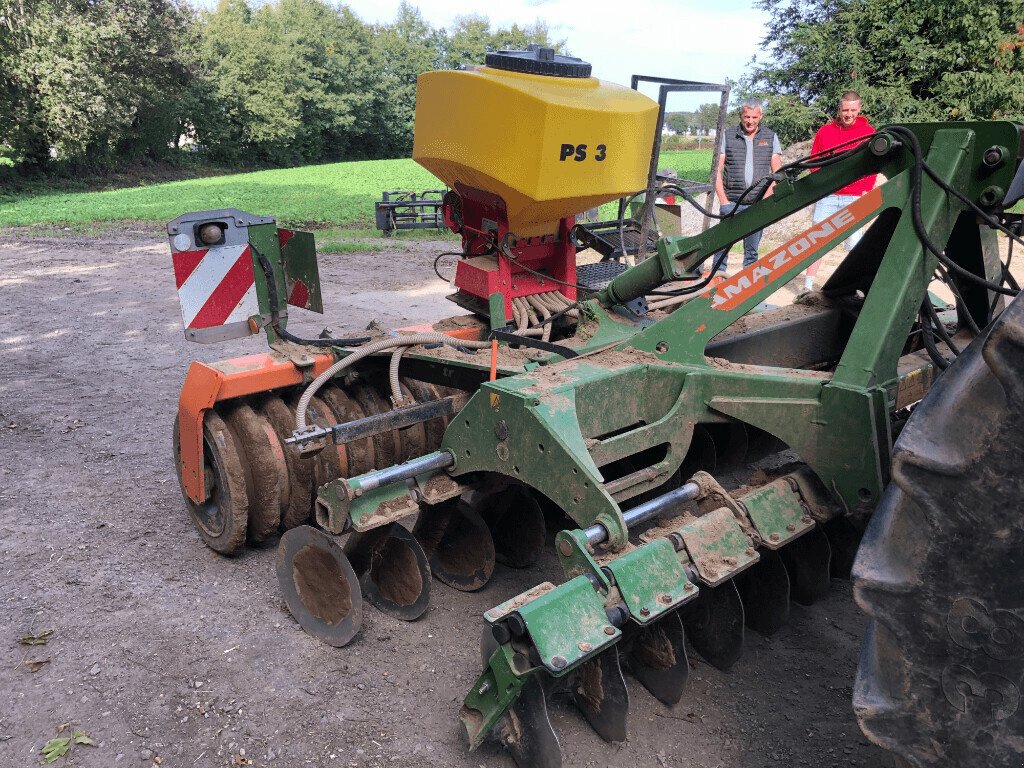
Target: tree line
910, 61
699, 121
95, 84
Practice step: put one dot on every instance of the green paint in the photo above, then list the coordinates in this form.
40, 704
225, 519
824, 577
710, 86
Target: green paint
300, 266
777, 512
651, 581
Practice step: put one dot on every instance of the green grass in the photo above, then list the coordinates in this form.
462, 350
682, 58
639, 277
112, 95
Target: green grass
692, 164
316, 196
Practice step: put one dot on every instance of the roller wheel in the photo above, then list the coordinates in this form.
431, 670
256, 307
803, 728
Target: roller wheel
433, 429
941, 569
412, 439
387, 445
223, 517
267, 473
332, 461
301, 469
345, 409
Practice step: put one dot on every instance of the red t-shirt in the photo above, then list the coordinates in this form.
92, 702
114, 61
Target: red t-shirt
832, 135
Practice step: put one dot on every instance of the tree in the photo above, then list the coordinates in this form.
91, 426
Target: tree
678, 121
956, 60
95, 80
289, 82
403, 50
706, 118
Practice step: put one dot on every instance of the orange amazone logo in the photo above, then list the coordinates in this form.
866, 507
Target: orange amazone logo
794, 254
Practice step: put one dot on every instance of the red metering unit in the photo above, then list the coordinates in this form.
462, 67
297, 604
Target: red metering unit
514, 197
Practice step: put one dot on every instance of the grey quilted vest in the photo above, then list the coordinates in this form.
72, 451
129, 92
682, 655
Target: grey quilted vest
736, 157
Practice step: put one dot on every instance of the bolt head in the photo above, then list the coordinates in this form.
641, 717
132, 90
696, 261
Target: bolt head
565, 548
749, 552
645, 611
585, 647
665, 599
791, 527
806, 520
688, 587
609, 630
558, 662
774, 537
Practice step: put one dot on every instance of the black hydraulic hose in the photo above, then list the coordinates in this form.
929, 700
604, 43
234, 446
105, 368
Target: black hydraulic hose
955, 290
928, 338
937, 324
275, 313
676, 189
918, 219
1007, 277
698, 287
985, 216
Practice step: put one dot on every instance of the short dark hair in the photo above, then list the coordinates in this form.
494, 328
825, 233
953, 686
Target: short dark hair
849, 96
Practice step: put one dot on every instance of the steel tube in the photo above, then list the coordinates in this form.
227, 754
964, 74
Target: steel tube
400, 472
647, 511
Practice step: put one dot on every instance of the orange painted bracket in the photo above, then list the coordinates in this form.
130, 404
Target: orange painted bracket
468, 334
206, 385
198, 395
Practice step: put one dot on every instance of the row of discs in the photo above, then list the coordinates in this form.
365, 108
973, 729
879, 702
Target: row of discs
257, 485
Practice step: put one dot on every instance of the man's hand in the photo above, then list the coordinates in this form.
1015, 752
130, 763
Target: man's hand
719, 183
776, 164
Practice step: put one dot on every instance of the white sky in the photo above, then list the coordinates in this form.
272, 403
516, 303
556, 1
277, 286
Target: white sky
683, 39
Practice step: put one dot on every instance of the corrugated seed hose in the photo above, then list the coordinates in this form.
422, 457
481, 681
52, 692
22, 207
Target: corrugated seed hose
372, 348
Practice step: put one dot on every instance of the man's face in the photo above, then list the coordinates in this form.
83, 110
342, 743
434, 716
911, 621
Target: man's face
849, 111
750, 118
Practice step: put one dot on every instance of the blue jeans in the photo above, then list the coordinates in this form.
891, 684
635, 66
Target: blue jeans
750, 242
831, 205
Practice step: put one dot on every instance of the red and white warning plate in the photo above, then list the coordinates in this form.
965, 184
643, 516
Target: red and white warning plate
217, 291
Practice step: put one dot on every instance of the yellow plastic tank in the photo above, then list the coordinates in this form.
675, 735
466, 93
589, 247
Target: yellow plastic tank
549, 146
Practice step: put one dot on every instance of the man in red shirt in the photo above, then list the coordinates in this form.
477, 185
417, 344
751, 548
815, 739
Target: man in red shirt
848, 125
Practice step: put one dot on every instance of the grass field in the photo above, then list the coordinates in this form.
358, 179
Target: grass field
318, 196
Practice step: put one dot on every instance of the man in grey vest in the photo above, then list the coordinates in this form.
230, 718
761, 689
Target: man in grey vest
749, 152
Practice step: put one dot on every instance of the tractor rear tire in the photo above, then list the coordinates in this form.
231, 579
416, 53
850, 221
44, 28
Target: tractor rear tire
940, 571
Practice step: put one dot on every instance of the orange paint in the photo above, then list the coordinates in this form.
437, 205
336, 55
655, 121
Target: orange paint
795, 254
206, 385
494, 359
469, 334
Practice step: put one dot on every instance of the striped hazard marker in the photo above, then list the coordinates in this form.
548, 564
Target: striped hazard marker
216, 287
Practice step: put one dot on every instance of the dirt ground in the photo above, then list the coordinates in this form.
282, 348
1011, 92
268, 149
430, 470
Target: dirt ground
168, 654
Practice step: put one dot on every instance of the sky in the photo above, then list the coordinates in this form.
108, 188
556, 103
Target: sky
683, 39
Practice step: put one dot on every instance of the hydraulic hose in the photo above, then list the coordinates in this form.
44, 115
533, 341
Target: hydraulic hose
545, 314
275, 312
397, 398
373, 348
